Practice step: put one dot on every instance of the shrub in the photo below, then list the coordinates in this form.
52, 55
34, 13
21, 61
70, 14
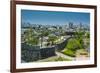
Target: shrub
73, 44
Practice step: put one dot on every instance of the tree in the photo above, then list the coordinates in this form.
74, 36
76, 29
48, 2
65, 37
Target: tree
45, 33
52, 39
30, 37
73, 44
87, 35
42, 34
79, 35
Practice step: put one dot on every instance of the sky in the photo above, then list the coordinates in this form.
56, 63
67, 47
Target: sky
54, 17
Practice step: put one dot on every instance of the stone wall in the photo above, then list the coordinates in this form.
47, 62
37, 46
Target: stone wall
62, 45
29, 53
47, 52
34, 53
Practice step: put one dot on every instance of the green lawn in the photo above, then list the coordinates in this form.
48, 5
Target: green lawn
68, 52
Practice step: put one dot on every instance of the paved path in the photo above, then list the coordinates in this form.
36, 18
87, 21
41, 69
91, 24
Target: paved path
64, 56
48, 59
58, 54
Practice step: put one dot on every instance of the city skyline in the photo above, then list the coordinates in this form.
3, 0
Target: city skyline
54, 17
